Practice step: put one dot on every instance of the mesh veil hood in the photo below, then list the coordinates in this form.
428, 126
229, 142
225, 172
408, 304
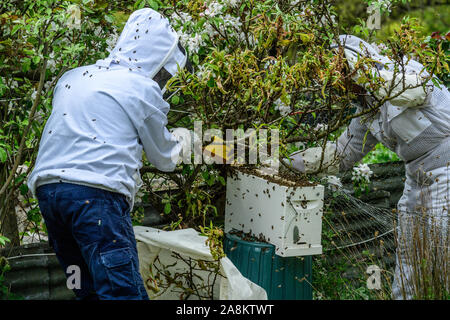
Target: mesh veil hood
355, 46
149, 45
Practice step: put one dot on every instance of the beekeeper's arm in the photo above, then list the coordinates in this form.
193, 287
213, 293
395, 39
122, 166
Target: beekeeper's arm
351, 147
354, 144
413, 97
161, 147
405, 89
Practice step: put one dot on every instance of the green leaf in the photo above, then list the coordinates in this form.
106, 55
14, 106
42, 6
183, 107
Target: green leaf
222, 180
167, 208
153, 4
211, 83
196, 59
26, 64
36, 59
15, 28
109, 18
175, 100
4, 240
3, 155
23, 189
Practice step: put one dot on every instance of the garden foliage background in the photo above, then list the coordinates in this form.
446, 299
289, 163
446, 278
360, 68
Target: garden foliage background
257, 64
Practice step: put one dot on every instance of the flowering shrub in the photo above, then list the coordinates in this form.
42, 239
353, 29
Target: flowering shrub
361, 178
257, 65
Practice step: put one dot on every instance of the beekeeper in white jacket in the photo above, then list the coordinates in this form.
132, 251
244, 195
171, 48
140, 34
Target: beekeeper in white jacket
415, 125
87, 170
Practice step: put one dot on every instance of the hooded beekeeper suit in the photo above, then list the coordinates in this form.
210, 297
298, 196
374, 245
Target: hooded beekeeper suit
415, 124
87, 170
105, 115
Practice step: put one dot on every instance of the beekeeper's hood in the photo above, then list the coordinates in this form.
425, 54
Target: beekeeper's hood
149, 45
354, 48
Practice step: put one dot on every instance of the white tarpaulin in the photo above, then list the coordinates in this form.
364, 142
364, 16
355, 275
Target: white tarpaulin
158, 250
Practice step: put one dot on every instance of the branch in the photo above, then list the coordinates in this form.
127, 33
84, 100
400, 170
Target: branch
27, 128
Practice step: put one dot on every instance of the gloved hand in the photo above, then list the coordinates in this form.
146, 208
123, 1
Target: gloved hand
413, 97
308, 161
296, 162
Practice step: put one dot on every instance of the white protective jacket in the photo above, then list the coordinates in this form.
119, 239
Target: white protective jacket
104, 115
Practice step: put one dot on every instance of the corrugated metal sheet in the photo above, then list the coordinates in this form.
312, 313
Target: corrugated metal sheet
35, 273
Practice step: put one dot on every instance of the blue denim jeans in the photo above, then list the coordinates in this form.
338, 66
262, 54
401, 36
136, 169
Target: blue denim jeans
91, 228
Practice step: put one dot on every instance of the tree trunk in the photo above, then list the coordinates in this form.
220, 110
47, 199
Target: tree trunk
8, 218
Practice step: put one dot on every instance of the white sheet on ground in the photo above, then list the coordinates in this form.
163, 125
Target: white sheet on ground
156, 249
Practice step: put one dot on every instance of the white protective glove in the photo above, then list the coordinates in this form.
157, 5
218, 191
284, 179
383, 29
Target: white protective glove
308, 161
413, 97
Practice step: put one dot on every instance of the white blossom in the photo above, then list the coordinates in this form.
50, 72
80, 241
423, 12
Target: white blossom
384, 5
98, 31
112, 40
33, 95
14, 84
213, 9
180, 17
53, 26
321, 126
282, 107
51, 63
201, 72
74, 19
379, 47
362, 173
229, 20
210, 31
269, 62
10, 106
334, 183
192, 42
232, 3
47, 84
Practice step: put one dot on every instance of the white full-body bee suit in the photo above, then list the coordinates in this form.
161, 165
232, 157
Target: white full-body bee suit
416, 126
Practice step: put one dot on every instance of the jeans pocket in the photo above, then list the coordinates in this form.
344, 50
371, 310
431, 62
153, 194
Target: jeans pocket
120, 272
85, 219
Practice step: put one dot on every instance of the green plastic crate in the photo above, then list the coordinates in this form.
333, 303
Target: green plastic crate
283, 278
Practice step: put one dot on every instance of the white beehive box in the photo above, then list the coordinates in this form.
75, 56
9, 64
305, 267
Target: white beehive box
288, 217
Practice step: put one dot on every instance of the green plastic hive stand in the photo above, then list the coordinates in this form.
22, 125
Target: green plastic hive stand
283, 278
